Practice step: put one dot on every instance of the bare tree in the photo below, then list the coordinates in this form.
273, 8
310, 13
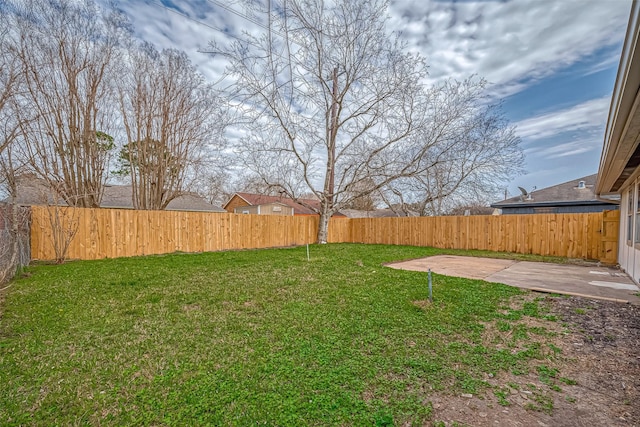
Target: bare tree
217, 185
67, 51
9, 80
476, 152
332, 99
13, 219
170, 117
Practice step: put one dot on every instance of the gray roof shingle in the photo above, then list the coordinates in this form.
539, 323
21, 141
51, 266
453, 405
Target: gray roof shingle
566, 193
34, 191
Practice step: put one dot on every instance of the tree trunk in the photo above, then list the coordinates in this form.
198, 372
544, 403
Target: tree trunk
323, 226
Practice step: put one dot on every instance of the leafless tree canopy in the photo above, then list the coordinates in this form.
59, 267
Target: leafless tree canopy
334, 100
472, 154
331, 107
67, 52
9, 80
169, 115
336, 105
78, 93
362, 196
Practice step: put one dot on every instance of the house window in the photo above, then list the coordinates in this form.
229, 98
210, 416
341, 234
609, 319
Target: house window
637, 239
245, 212
629, 216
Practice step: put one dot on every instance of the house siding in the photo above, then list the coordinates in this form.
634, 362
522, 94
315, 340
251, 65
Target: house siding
251, 210
629, 249
235, 202
304, 207
267, 209
276, 209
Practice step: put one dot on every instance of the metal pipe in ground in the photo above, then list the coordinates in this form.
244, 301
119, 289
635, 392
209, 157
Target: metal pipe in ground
430, 286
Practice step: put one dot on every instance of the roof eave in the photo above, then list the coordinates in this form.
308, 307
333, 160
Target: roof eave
546, 204
624, 114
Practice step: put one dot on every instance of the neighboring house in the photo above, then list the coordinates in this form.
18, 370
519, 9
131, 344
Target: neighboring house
470, 210
34, 191
275, 208
577, 196
619, 173
121, 196
259, 204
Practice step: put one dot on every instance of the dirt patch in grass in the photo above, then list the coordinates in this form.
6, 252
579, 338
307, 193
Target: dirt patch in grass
588, 372
421, 303
191, 307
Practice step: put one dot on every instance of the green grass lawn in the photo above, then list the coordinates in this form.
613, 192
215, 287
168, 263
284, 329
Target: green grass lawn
253, 337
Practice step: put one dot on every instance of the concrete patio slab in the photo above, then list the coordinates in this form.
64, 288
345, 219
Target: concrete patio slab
587, 281
457, 266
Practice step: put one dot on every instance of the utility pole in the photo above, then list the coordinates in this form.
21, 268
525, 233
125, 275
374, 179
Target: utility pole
332, 134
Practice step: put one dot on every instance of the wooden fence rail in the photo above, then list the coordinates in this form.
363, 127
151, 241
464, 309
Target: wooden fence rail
580, 235
110, 233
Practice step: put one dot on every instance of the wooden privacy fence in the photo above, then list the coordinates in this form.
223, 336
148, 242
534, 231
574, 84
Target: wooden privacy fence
580, 235
609, 237
110, 233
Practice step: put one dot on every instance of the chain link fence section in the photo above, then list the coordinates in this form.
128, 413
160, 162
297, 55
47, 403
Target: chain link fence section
15, 248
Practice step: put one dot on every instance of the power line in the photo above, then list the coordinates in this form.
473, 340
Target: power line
228, 9
245, 16
213, 27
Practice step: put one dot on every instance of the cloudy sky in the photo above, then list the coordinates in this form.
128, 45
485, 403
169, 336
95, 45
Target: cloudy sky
552, 62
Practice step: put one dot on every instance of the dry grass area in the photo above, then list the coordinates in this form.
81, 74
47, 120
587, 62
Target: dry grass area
590, 374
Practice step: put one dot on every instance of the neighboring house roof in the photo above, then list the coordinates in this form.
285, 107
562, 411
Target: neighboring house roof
34, 191
193, 202
378, 213
120, 196
567, 193
472, 210
621, 152
298, 208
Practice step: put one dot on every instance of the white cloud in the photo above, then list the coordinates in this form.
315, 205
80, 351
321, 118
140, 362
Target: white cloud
509, 43
607, 62
566, 149
588, 116
204, 23
513, 44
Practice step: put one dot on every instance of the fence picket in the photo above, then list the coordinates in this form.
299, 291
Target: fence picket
110, 233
